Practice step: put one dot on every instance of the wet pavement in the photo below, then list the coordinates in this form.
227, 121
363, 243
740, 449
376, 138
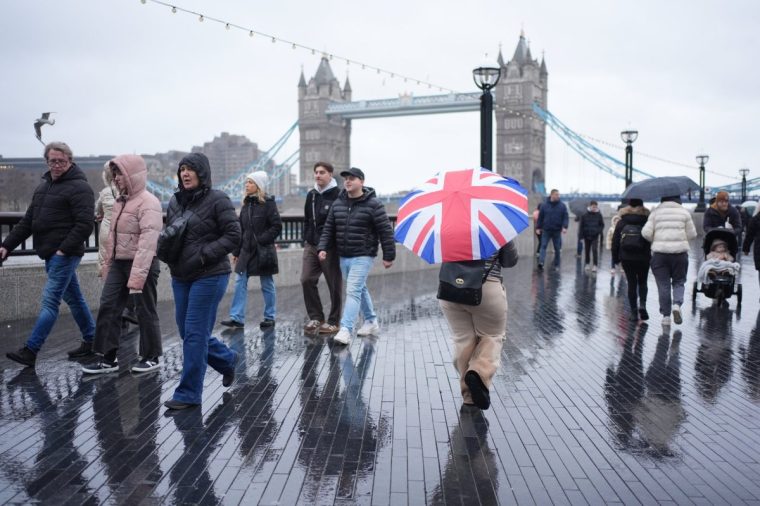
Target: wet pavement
587, 408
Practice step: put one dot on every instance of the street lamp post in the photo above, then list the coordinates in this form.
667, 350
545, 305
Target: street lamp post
744, 173
701, 160
629, 137
486, 76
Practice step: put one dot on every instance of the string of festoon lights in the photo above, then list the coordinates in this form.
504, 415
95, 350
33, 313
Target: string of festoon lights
274, 39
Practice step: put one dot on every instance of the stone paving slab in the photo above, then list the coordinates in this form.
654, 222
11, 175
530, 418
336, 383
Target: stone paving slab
587, 408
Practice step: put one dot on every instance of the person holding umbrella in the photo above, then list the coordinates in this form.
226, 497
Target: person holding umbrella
669, 229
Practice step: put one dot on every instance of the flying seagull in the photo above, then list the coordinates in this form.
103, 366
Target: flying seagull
44, 120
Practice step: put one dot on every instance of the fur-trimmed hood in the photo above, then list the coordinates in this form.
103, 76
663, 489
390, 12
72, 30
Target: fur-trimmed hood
638, 210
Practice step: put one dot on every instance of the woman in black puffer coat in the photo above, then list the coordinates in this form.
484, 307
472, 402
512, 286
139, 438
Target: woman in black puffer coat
256, 255
634, 256
200, 276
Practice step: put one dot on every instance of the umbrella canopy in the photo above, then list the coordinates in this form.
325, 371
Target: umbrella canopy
578, 206
462, 215
655, 188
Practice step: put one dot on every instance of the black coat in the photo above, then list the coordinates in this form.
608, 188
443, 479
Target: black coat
315, 212
60, 216
213, 230
630, 216
713, 219
261, 226
592, 225
354, 227
753, 234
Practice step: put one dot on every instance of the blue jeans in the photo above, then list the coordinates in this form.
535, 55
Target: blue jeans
239, 300
355, 271
195, 305
62, 283
556, 237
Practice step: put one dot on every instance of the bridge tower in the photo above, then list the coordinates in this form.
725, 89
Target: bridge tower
520, 136
325, 138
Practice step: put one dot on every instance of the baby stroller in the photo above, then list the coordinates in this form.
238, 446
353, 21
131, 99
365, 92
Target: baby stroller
720, 284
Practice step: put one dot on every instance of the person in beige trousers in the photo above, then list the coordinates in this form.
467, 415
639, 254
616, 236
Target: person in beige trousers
478, 331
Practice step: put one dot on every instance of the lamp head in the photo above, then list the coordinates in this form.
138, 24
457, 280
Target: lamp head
702, 159
486, 75
629, 136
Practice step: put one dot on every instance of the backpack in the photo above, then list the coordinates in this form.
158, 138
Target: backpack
631, 240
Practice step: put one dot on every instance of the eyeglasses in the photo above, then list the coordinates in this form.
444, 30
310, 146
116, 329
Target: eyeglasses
53, 162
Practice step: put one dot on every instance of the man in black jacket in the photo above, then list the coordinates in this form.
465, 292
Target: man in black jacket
319, 200
355, 224
60, 219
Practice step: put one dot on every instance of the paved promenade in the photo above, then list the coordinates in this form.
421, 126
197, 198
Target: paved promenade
587, 408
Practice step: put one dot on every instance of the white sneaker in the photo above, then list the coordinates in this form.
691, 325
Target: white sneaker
343, 336
368, 328
593, 269
677, 314
666, 321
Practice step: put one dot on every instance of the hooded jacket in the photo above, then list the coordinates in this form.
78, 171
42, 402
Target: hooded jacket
103, 208
354, 227
136, 221
260, 226
213, 229
60, 216
553, 216
669, 228
591, 225
629, 216
315, 212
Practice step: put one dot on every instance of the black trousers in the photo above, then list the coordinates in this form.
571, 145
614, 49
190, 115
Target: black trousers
636, 274
113, 299
311, 269
593, 246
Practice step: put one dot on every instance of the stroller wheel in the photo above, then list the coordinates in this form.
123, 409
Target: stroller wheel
739, 295
694, 292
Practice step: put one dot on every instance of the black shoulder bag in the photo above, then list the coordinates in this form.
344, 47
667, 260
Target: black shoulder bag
172, 239
462, 282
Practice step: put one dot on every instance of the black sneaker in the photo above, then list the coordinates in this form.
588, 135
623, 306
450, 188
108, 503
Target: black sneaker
147, 365
478, 390
643, 314
24, 356
266, 324
172, 404
102, 367
540, 267
229, 378
84, 350
233, 323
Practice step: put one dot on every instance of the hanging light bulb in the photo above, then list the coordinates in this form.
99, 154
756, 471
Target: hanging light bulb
227, 26
274, 40
143, 1
250, 34
363, 66
294, 45
174, 10
313, 51
200, 18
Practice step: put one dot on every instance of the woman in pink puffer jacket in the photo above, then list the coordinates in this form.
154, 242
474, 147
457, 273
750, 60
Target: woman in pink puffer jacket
130, 267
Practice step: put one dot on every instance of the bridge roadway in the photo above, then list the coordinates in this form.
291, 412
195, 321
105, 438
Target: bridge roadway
587, 408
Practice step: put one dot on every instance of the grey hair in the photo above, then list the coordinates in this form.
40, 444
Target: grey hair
59, 146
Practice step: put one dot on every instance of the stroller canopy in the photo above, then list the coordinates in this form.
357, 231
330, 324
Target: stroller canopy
724, 234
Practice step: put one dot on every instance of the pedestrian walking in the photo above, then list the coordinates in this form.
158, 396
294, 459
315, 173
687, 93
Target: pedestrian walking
59, 219
200, 272
478, 331
130, 269
590, 228
753, 237
633, 253
256, 255
355, 224
552, 225
319, 200
669, 229
536, 232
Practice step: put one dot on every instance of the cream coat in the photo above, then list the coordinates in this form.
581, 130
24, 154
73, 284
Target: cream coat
103, 208
136, 222
669, 228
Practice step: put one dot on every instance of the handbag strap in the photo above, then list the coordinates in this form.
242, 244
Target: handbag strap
488, 272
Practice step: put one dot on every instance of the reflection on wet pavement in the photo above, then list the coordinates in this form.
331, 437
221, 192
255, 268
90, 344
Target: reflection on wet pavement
587, 408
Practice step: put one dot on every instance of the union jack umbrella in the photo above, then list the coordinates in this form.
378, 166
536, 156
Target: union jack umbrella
462, 215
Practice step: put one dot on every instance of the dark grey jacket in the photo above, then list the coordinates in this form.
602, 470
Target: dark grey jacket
260, 225
213, 230
355, 226
60, 216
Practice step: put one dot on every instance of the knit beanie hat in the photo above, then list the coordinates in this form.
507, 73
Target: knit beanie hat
260, 178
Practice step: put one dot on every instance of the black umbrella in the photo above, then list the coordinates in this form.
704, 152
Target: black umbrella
655, 188
578, 206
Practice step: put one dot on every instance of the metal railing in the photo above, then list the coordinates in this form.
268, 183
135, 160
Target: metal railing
291, 236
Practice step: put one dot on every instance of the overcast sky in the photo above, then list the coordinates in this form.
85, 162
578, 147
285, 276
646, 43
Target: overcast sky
125, 77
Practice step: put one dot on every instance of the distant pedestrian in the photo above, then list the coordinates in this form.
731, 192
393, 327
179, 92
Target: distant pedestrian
478, 331
200, 275
610, 232
256, 255
356, 223
753, 237
319, 200
552, 224
633, 252
130, 269
590, 229
59, 219
669, 229
536, 232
